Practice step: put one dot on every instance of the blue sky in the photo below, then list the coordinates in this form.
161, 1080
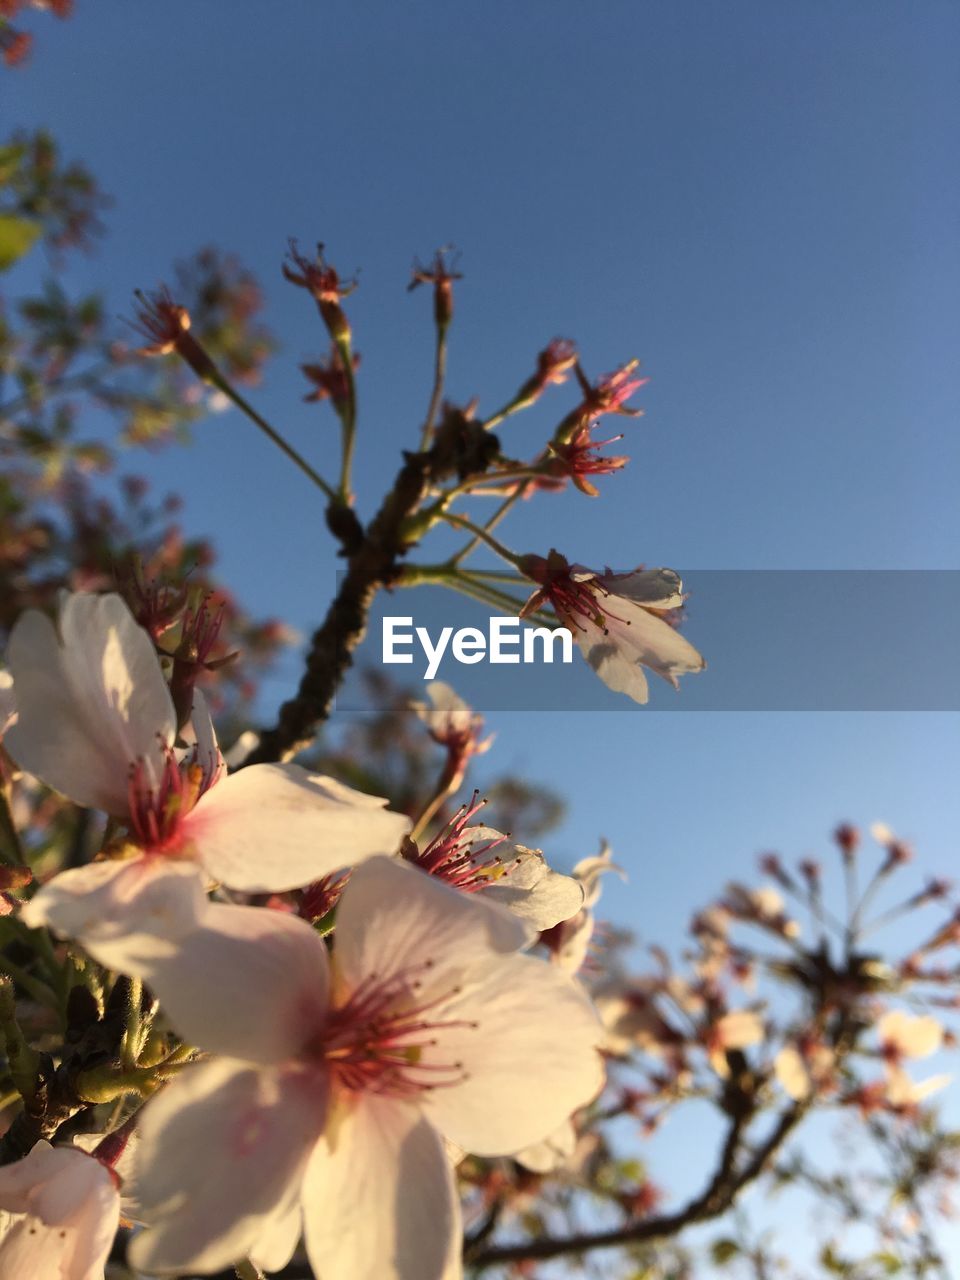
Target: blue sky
760, 201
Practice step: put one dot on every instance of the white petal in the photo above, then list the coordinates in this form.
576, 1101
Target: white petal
378, 1196
274, 827
548, 900
127, 914
393, 919
740, 1029
552, 1153
528, 1050
653, 588
29, 1250
250, 983
634, 638
591, 869
222, 1150
792, 1074
902, 1091
73, 1207
913, 1037
279, 1237
200, 734
90, 706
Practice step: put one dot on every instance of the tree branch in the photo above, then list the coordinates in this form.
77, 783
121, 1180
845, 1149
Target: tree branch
719, 1195
462, 448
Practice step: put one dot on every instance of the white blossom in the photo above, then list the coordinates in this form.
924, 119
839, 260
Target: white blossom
339, 1084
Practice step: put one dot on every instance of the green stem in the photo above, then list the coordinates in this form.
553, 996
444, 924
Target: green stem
131, 1045
491, 524
439, 374
348, 421
245, 407
483, 535
445, 575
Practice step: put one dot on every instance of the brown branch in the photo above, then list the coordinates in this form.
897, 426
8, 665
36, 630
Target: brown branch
462, 448
719, 1195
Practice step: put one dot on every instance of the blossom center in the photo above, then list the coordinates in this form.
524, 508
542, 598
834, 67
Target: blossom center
385, 1038
157, 808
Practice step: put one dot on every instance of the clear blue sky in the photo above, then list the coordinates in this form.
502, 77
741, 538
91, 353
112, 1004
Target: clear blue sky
760, 201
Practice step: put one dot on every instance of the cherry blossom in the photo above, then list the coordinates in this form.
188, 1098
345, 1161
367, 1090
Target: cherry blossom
60, 1211
804, 1070
478, 859
339, 1083
735, 1030
904, 1036
569, 941
616, 620
96, 722
454, 725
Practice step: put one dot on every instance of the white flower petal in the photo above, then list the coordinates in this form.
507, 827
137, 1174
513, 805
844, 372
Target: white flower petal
527, 1047
911, 1036
279, 1237
90, 706
552, 1153
792, 1074
250, 983
200, 734
223, 1148
634, 638
652, 588
392, 919
378, 1196
72, 1210
127, 914
274, 827
544, 902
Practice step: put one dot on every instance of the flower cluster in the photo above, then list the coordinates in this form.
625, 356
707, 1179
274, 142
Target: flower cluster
329, 1081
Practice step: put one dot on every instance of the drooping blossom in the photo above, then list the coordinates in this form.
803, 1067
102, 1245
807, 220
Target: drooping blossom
616, 620
96, 723
480, 860
569, 941
456, 727
339, 1083
59, 1211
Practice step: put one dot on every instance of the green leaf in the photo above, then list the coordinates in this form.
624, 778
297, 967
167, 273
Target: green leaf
17, 237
